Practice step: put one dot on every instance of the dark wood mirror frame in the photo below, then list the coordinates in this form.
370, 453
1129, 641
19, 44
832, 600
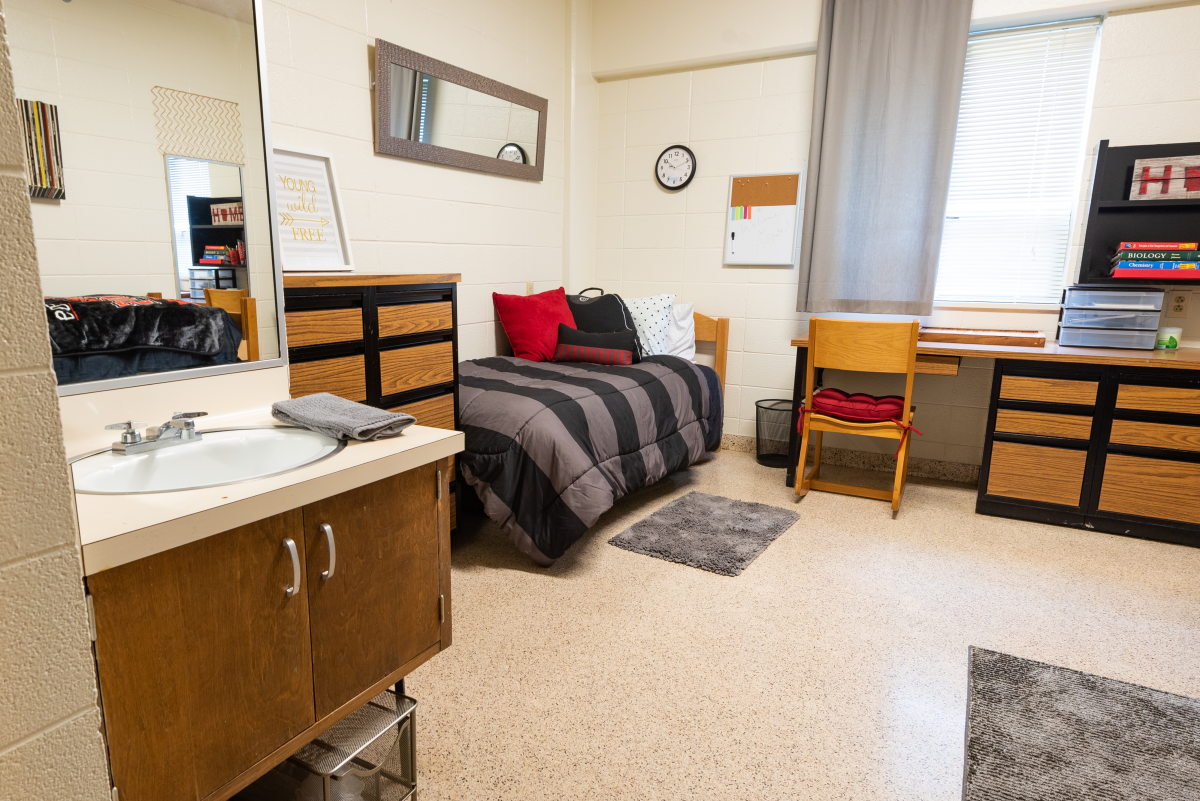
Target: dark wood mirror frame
387, 54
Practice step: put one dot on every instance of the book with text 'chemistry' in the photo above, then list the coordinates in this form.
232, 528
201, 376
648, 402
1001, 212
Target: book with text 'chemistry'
1159, 246
1158, 270
1156, 255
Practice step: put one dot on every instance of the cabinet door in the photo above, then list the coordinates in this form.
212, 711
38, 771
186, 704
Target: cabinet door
379, 609
204, 660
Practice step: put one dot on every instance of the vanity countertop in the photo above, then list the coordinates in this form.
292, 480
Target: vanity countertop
117, 529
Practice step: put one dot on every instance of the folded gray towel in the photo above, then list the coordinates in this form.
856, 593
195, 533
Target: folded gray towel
341, 418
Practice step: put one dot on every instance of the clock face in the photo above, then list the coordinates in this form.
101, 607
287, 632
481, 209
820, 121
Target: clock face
675, 167
512, 152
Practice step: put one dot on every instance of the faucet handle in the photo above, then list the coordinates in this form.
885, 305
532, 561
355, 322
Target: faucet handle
188, 415
130, 435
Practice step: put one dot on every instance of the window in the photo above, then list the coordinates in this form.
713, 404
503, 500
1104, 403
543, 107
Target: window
1018, 153
185, 177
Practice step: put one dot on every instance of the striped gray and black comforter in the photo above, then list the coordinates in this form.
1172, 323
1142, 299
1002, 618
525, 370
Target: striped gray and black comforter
551, 446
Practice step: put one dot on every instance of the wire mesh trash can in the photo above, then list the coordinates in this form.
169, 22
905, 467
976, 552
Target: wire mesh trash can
371, 755
774, 423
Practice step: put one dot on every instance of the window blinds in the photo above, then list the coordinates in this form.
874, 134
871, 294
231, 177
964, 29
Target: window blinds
185, 177
1017, 155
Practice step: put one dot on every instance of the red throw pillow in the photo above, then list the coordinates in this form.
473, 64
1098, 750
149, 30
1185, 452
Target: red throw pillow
531, 322
587, 353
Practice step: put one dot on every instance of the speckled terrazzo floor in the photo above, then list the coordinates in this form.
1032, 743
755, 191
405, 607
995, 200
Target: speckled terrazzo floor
834, 667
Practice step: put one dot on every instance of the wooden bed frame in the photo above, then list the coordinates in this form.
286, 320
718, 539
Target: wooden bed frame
715, 329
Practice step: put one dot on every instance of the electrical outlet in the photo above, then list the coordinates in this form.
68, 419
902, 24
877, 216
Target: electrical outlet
528, 288
1179, 302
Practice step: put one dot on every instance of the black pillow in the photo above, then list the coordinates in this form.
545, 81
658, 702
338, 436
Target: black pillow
602, 315
617, 340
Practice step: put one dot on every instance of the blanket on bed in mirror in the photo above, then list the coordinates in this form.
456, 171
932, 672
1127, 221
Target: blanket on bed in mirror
551, 446
115, 323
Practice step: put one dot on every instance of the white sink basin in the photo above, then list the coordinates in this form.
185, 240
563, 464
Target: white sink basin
224, 456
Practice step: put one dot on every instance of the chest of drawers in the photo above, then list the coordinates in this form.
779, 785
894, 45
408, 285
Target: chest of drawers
1106, 447
389, 341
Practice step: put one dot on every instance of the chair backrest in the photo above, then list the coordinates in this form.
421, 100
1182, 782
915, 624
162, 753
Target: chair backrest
228, 299
862, 346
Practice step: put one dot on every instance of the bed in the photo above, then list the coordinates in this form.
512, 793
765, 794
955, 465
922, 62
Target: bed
97, 337
550, 446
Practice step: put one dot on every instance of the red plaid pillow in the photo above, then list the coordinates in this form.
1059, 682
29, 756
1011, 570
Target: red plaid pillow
583, 353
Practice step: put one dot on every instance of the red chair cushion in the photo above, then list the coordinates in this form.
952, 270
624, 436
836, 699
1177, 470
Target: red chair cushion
856, 408
531, 323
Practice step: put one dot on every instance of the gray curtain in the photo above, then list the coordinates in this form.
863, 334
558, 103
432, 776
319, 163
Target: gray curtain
889, 80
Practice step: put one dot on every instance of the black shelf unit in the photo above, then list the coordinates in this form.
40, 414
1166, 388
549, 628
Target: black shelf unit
203, 232
1114, 218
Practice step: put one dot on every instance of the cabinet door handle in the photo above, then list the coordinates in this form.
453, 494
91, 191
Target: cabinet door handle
294, 587
328, 574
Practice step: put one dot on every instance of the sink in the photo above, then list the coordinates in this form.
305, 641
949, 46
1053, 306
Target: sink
223, 456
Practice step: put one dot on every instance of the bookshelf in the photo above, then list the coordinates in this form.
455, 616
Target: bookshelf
203, 233
1114, 218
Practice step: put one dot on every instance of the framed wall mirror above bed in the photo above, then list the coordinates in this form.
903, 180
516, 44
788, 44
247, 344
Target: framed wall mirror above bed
148, 164
433, 111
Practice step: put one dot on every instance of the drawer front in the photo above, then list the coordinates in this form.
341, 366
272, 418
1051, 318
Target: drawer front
1070, 426
433, 412
1155, 435
346, 377
436, 413
1036, 473
415, 318
1159, 399
323, 326
1049, 390
1151, 488
413, 368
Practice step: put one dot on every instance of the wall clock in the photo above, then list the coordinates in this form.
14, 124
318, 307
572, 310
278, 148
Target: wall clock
512, 152
675, 168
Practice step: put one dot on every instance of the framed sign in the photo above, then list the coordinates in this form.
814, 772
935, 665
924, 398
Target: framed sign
763, 216
309, 215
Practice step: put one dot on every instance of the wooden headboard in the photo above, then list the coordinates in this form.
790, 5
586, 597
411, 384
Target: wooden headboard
714, 329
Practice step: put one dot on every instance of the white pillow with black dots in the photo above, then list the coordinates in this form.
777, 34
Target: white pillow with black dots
652, 317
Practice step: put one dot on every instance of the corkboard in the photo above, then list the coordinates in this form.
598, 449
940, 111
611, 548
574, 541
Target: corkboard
765, 190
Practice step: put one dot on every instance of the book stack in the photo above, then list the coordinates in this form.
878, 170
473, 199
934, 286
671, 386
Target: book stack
215, 254
1160, 261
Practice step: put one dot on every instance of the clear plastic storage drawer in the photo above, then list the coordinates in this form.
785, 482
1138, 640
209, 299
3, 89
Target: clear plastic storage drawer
1140, 300
1106, 338
1110, 318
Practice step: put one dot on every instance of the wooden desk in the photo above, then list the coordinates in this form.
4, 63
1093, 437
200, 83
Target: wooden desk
1095, 438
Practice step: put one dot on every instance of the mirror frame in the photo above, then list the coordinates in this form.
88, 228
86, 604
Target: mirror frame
387, 54
260, 43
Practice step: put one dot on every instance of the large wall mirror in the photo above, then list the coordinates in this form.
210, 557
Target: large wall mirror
147, 154
433, 111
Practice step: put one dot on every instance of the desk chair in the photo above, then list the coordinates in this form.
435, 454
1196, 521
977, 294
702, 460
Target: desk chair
244, 311
867, 347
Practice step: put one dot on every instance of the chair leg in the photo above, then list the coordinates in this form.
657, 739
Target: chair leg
816, 471
901, 477
802, 484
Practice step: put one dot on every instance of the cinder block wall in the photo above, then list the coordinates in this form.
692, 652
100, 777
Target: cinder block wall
50, 741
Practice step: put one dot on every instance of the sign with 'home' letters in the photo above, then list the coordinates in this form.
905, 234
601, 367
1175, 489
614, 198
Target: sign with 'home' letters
1171, 178
312, 235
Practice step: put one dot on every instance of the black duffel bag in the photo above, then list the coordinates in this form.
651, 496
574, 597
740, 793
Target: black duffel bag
603, 314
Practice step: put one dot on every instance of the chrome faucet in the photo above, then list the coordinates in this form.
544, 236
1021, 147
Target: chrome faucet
180, 429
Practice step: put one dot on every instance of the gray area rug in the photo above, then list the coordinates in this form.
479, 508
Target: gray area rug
1040, 732
712, 533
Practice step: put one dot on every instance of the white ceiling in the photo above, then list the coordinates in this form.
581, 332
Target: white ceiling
241, 10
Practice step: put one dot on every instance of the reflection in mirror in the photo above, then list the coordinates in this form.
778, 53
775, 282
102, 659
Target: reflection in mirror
433, 111
147, 169
436, 111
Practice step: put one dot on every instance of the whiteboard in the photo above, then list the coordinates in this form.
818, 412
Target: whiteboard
762, 219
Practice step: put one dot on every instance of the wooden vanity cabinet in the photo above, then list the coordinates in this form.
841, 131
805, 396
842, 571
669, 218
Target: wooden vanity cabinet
210, 673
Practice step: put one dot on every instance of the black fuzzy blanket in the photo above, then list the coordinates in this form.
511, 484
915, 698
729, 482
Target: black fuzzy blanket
116, 323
